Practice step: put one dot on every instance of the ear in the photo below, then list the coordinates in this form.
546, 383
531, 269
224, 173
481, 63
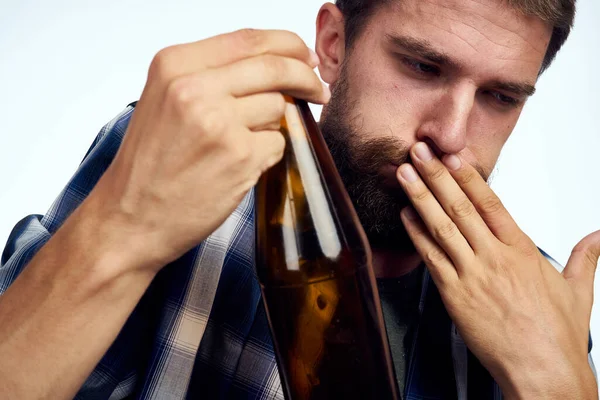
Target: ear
330, 45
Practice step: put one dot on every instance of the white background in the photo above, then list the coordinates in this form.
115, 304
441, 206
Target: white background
67, 67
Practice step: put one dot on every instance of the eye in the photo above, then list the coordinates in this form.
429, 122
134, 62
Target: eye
420, 67
504, 100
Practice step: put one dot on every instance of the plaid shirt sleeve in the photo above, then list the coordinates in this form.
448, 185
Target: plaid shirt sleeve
154, 354
32, 232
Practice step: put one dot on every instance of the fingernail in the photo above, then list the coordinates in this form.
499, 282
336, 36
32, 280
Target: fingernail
408, 173
452, 162
314, 58
326, 91
423, 152
410, 213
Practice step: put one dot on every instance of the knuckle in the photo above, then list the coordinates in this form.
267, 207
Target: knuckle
444, 231
437, 173
482, 284
528, 251
240, 153
187, 92
315, 81
210, 120
422, 195
462, 208
294, 37
249, 38
178, 93
490, 205
274, 67
434, 256
162, 64
419, 234
273, 126
296, 41
466, 292
498, 262
279, 144
580, 248
591, 258
526, 246
279, 104
467, 178
588, 255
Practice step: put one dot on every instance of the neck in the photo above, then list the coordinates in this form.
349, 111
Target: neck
394, 263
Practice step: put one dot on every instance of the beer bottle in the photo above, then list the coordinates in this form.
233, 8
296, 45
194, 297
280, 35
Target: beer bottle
313, 263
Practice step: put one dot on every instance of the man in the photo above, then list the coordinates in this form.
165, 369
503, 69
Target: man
147, 289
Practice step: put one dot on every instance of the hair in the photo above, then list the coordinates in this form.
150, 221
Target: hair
559, 13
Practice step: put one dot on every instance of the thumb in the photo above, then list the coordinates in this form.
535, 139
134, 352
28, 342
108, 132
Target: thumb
582, 263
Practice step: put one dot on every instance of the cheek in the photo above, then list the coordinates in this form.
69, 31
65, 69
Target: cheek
387, 105
487, 132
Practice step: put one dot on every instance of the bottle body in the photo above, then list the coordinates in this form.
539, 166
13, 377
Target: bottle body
314, 266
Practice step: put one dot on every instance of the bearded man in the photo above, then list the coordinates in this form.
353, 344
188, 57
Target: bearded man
139, 282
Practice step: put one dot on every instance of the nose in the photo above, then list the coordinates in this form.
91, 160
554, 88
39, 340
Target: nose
445, 126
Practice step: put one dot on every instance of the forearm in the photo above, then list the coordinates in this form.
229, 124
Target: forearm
66, 308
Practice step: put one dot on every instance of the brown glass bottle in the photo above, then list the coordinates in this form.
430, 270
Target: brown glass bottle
314, 266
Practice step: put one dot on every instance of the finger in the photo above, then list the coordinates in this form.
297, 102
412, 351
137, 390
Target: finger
261, 111
268, 147
451, 197
443, 230
581, 267
440, 266
488, 205
227, 48
271, 126
270, 73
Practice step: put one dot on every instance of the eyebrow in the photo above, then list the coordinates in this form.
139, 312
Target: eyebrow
425, 50
422, 48
519, 88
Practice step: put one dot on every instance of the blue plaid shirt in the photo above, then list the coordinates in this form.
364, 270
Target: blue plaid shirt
200, 330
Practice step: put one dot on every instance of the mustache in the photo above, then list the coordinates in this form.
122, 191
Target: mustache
372, 154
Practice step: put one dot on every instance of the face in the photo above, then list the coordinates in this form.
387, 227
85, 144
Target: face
452, 73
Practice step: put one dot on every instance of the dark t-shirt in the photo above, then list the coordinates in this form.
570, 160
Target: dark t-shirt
400, 305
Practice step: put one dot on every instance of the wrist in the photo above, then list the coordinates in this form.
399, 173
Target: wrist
72, 299
550, 381
118, 234
111, 246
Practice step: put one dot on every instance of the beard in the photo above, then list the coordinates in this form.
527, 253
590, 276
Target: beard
359, 162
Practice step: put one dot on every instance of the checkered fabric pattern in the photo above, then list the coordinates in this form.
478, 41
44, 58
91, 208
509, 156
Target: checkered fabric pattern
200, 330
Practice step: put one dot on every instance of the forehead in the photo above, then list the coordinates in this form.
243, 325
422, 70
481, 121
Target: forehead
484, 36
